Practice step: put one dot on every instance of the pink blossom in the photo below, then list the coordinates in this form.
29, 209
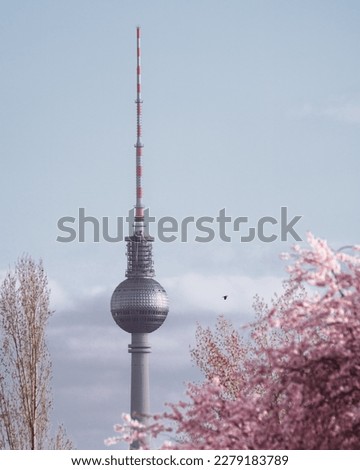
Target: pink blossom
291, 380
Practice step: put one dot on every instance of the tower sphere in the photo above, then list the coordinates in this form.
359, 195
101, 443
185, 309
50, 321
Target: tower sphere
139, 305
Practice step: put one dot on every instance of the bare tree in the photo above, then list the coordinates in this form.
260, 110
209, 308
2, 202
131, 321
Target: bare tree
25, 366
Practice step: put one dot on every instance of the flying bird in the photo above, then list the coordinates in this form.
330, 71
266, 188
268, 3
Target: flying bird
225, 297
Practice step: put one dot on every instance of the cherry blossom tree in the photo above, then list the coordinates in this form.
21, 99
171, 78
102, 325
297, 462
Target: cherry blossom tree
228, 354
296, 384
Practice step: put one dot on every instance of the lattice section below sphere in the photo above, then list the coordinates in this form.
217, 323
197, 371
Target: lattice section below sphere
139, 305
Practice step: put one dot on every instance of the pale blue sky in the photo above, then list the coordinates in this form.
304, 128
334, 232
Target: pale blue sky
248, 105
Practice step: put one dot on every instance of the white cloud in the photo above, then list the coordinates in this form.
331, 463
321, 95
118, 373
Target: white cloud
204, 293
60, 298
340, 109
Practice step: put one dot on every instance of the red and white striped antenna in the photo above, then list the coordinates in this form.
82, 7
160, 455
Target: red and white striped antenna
139, 208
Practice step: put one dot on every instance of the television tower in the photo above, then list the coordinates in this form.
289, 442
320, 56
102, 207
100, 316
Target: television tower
139, 304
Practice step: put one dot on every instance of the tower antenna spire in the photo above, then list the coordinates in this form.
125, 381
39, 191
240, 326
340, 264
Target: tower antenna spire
139, 208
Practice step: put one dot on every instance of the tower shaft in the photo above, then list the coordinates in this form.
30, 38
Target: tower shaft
140, 388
